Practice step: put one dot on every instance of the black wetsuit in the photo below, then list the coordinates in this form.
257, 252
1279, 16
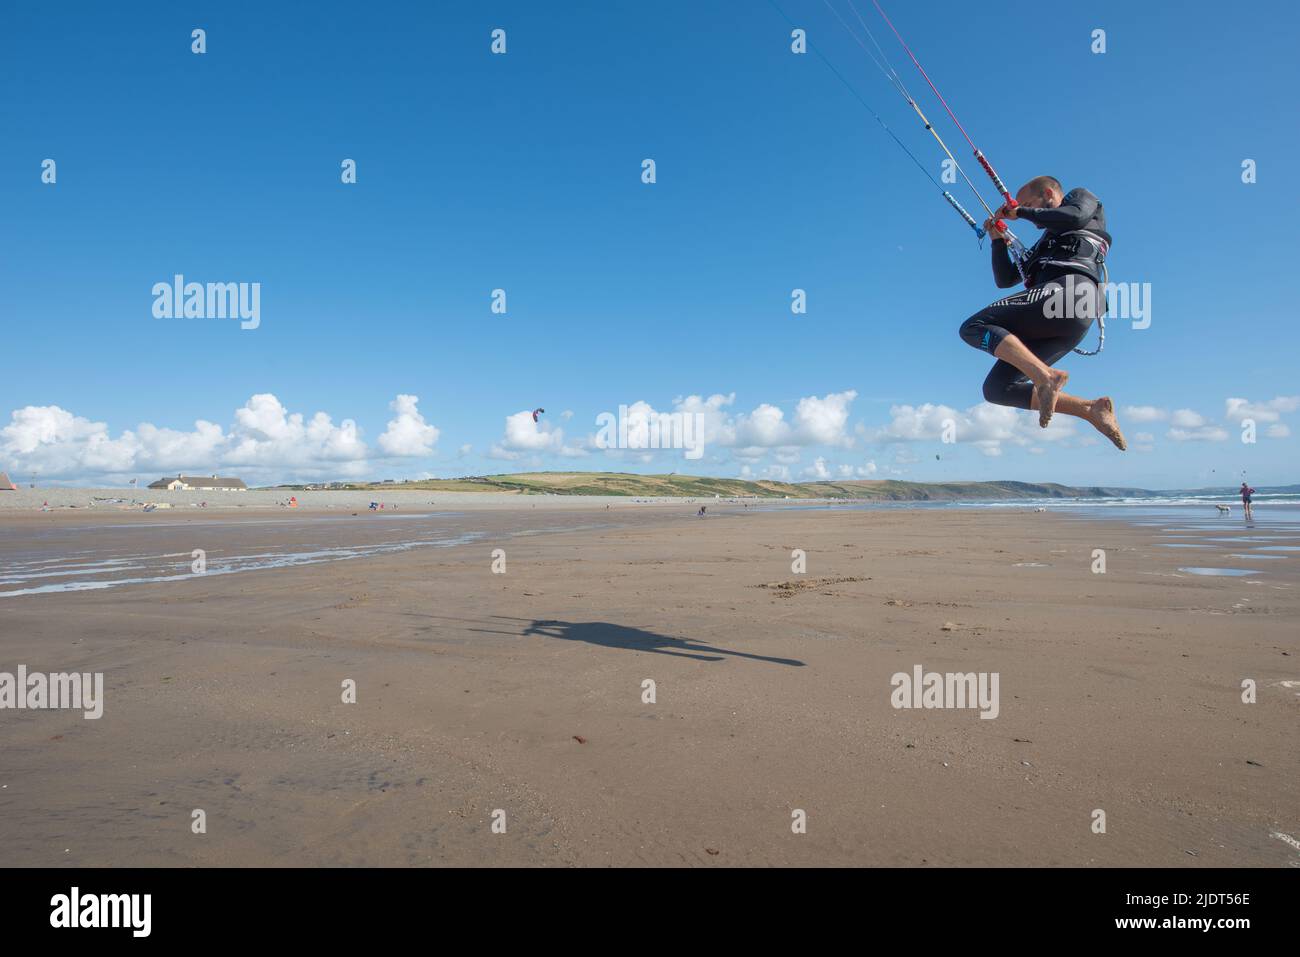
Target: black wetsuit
1063, 293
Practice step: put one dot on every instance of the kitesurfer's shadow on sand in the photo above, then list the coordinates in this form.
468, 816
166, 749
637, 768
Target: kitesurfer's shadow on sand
609, 635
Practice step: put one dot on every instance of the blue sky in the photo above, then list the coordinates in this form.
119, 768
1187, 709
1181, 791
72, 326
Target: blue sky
523, 172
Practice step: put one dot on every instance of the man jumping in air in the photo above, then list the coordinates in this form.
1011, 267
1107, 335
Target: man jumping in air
1031, 330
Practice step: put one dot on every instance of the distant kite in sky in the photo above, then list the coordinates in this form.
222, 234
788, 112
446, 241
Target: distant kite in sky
536, 413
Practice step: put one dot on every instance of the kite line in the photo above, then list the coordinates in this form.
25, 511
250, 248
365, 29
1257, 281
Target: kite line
952, 200
1015, 247
882, 63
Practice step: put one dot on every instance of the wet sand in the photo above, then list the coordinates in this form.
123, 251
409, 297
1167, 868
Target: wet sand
1118, 691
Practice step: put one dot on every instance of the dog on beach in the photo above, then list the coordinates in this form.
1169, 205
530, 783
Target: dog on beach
1224, 509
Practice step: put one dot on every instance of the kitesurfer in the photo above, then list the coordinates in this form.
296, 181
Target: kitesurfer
1064, 293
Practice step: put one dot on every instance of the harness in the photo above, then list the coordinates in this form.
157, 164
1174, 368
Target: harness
1079, 250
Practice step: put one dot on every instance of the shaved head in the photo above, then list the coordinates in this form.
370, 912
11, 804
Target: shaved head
1041, 191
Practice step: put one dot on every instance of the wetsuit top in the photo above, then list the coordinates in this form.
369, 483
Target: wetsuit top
1074, 240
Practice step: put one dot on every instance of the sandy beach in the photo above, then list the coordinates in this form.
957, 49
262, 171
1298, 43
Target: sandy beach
523, 692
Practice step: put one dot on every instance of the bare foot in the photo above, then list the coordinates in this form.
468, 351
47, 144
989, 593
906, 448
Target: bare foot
1045, 394
1102, 417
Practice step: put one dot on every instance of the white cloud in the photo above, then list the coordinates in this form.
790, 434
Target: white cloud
817, 420
764, 428
1186, 419
265, 442
778, 473
985, 426
524, 436
267, 435
1205, 433
716, 427
859, 471
1144, 413
822, 421
818, 469
408, 433
54, 442
1270, 411
1188, 425
639, 417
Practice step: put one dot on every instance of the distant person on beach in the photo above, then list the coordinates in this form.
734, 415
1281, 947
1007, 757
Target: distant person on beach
1246, 493
1064, 293
700, 513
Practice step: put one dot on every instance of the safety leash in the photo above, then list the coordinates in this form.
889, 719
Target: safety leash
1101, 320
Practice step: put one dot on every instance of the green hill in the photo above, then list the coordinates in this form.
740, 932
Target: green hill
695, 486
